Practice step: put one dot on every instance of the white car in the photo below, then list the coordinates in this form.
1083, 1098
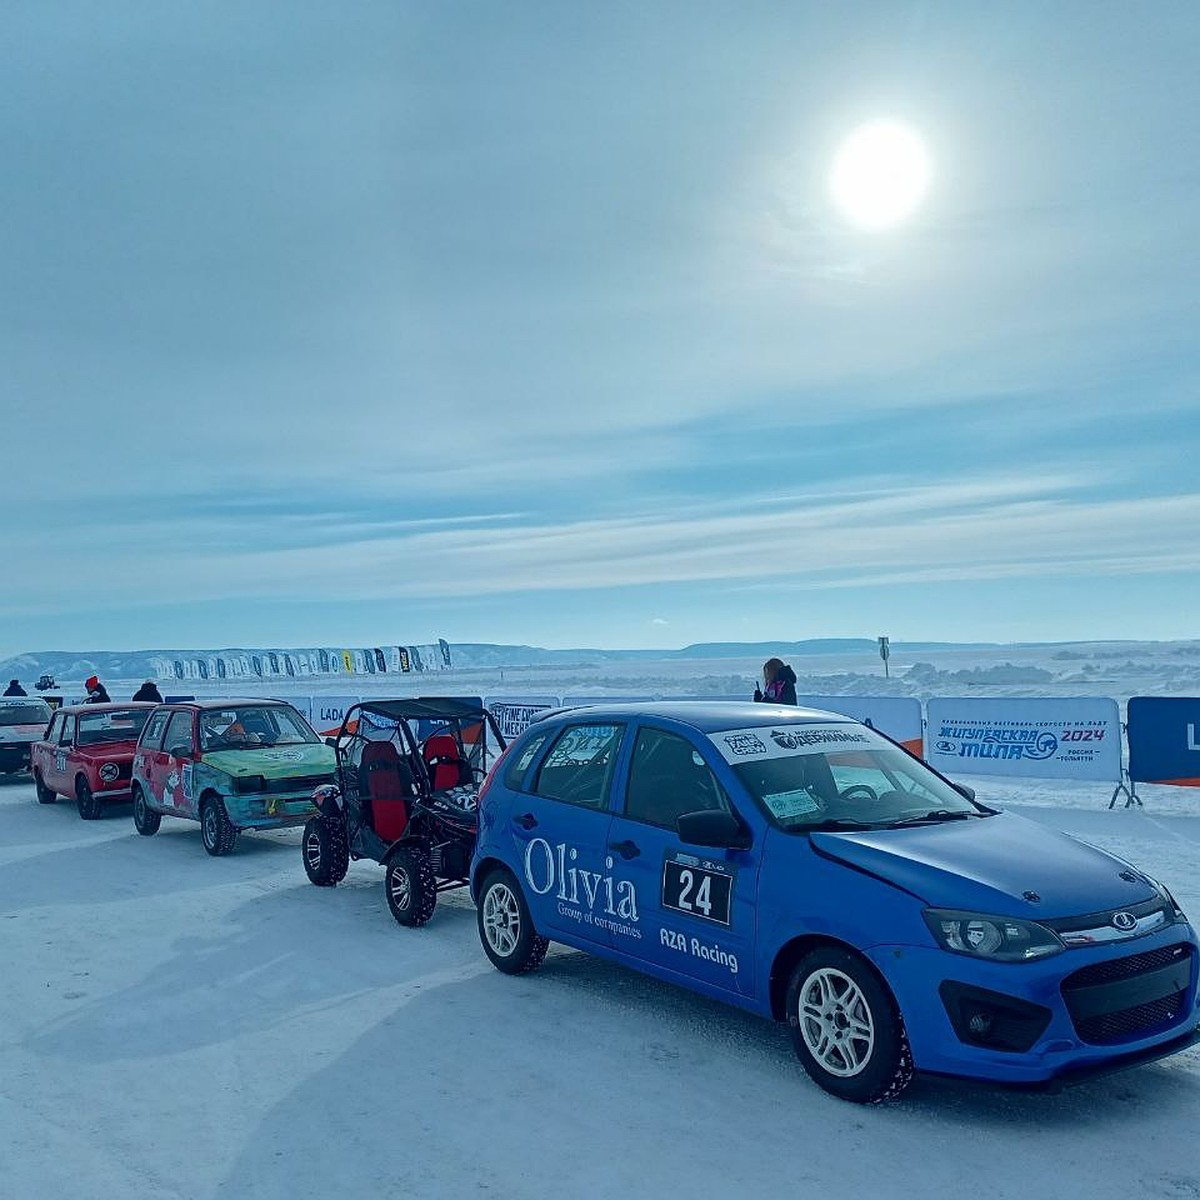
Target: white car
23, 720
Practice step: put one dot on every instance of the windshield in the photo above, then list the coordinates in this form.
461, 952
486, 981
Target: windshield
24, 712
246, 727
118, 725
831, 776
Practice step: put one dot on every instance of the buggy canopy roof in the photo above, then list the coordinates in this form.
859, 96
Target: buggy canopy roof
423, 707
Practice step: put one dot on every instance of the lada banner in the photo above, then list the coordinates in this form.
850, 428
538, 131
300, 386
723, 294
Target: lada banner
327, 713
1075, 738
514, 714
897, 716
1164, 740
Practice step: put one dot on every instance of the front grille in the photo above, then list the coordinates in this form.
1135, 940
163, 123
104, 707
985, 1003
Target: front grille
1128, 998
297, 783
1124, 968
1131, 1022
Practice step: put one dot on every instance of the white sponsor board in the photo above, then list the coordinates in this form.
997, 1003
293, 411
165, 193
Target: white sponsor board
514, 714
328, 712
897, 716
1077, 738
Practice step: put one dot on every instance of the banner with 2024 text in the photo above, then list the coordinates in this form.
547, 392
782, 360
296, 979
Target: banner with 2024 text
1070, 738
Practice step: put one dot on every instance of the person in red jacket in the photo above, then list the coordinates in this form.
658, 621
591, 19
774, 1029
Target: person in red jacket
97, 693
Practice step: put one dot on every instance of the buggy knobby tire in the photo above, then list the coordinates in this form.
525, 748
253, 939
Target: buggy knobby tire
217, 831
506, 929
325, 850
145, 820
45, 795
846, 1028
85, 800
410, 886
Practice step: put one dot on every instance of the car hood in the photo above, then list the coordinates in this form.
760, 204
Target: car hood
21, 733
273, 762
989, 864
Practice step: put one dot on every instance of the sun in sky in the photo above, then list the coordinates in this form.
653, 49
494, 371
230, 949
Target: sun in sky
880, 174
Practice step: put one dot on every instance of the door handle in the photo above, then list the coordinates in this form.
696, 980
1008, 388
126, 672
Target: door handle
625, 849
525, 820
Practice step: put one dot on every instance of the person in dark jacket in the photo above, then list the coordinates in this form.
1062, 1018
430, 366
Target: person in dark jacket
779, 683
148, 691
97, 693
15, 689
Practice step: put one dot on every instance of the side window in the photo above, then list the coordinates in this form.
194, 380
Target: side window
580, 765
179, 734
67, 732
668, 776
56, 723
514, 777
152, 735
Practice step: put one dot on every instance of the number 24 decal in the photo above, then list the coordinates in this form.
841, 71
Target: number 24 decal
703, 899
698, 891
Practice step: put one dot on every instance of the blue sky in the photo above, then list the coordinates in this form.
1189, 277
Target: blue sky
374, 323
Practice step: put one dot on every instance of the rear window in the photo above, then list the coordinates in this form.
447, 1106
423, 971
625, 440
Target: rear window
118, 725
514, 777
24, 712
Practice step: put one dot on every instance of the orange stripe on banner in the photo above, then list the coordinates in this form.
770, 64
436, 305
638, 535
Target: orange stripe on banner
915, 746
1177, 782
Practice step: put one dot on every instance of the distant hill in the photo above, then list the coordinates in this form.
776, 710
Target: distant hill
138, 664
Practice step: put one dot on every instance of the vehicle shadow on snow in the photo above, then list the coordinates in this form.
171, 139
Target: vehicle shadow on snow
278, 956
600, 1078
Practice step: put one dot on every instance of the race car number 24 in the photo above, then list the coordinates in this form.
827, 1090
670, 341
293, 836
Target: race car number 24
697, 887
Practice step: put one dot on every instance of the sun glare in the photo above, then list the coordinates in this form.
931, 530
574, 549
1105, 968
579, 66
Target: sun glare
880, 174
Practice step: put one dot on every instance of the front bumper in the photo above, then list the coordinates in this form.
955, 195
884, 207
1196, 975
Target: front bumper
1104, 1026
270, 812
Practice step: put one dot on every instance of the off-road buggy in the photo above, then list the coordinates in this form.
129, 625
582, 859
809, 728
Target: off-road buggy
404, 795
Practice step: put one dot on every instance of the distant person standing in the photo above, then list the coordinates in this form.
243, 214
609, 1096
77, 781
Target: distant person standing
148, 691
779, 683
97, 693
15, 689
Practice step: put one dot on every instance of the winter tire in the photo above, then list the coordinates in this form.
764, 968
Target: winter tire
145, 820
325, 851
505, 927
85, 800
410, 886
217, 831
846, 1028
45, 795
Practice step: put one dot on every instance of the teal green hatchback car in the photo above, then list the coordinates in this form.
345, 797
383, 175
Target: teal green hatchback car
229, 764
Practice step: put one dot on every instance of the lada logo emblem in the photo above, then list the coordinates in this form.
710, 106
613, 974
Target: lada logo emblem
1124, 921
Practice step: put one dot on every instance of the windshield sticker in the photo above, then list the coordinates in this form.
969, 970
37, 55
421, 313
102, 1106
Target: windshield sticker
741, 745
785, 806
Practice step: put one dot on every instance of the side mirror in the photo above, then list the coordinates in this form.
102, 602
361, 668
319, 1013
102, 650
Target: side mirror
712, 827
963, 790
331, 742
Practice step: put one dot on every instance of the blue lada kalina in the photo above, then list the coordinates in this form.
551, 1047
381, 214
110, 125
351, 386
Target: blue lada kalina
803, 867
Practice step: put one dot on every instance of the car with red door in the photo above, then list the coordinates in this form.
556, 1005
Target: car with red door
86, 755
229, 764
23, 720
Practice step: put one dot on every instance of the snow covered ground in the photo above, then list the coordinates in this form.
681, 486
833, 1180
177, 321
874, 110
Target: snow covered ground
180, 1026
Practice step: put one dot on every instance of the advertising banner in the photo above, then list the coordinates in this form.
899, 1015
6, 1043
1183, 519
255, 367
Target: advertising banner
514, 714
326, 713
1164, 740
1074, 738
897, 716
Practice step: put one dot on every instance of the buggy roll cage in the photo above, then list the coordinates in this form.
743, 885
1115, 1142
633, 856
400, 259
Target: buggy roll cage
448, 713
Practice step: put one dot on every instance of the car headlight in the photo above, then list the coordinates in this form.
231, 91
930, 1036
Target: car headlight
109, 772
249, 783
1000, 939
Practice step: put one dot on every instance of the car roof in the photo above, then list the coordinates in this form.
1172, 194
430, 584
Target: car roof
229, 702
707, 716
115, 705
